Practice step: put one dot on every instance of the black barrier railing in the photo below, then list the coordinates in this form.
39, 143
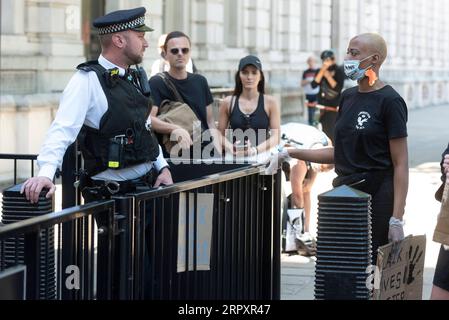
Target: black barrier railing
227, 247
90, 275
149, 247
16, 158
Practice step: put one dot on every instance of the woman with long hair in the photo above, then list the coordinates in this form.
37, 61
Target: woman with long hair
252, 115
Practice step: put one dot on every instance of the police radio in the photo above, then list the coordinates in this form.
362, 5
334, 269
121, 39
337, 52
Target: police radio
143, 81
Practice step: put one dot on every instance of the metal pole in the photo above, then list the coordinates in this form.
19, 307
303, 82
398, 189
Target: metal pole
69, 199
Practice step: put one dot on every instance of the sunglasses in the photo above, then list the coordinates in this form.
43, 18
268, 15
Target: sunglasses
175, 51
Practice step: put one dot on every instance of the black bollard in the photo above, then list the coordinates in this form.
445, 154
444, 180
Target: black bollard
40, 244
343, 245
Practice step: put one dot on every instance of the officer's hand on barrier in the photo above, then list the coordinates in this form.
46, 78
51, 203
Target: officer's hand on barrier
182, 137
276, 161
165, 178
33, 187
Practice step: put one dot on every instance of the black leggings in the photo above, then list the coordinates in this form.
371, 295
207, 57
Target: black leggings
382, 204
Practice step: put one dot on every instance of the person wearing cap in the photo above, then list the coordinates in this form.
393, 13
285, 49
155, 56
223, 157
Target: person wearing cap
252, 115
194, 90
330, 79
107, 107
370, 150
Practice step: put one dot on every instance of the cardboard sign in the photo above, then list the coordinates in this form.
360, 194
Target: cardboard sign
441, 234
400, 273
204, 213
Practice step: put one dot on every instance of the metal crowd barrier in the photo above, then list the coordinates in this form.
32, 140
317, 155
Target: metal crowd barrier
215, 234
19, 157
88, 275
240, 257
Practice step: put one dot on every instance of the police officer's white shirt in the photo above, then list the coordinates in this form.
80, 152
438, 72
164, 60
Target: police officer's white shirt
84, 102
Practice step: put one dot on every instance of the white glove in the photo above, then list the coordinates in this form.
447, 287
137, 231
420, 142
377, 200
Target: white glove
275, 162
396, 235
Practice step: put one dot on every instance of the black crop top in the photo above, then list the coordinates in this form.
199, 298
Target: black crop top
258, 120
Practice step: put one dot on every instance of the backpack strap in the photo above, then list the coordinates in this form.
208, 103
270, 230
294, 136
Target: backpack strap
171, 86
232, 105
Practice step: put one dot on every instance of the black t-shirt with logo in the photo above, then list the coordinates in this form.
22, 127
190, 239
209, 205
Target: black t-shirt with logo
365, 125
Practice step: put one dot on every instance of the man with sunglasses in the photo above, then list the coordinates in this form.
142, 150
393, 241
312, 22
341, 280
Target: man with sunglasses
193, 89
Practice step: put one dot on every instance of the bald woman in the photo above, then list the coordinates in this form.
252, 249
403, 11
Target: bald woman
370, 151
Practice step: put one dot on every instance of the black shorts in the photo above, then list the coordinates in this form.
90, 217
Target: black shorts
441, 277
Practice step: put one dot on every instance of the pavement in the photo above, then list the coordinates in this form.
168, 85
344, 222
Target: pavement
428, 138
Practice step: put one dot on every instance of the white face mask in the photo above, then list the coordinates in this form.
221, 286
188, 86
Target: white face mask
353, 71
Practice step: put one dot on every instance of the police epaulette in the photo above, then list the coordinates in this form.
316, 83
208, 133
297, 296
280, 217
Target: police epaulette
87, 66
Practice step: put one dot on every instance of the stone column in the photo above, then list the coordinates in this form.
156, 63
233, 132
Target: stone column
257, 25
55, 28
345, 25
40, 55
40, 48
388, 28
14, 76
207, 24
290, 30
369, 16
321, 25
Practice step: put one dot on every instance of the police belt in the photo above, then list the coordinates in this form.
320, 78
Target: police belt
111, 187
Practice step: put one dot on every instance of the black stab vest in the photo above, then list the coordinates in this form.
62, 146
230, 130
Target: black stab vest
127, 109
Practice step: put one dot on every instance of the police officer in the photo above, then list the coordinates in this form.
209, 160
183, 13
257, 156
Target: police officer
107, 104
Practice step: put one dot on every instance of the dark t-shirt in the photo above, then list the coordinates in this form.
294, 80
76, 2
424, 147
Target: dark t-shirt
365, 125
339, 77
194, 90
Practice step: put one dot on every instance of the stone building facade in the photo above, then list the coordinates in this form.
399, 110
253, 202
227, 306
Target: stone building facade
42, 41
